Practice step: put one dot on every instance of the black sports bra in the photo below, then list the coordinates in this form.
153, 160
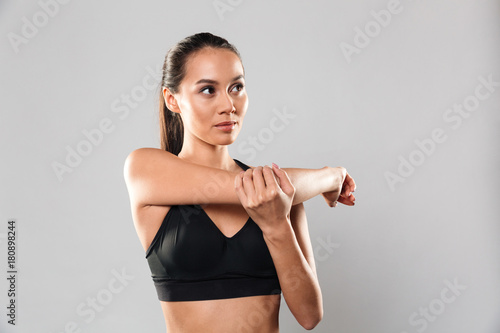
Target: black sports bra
191, 259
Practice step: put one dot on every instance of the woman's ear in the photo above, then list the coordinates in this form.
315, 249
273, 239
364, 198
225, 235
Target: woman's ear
170, 100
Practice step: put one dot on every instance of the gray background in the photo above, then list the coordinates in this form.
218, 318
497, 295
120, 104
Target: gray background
388, 258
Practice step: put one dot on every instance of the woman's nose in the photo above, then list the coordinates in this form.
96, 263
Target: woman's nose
227, 104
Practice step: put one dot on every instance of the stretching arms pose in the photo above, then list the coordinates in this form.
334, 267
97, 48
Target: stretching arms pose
223, 239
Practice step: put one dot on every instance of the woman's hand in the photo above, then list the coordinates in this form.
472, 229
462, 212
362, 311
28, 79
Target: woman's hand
266, 202
343, 192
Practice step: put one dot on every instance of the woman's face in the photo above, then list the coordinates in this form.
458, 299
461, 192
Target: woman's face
213, 91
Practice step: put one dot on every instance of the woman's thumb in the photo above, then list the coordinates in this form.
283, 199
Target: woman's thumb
284, 181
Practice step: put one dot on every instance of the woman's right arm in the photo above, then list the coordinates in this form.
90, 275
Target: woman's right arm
160, 178
157, 177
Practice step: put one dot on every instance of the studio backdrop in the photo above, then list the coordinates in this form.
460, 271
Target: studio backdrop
405, 94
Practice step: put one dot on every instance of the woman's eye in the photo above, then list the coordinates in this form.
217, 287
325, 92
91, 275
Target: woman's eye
238, 87
207, 90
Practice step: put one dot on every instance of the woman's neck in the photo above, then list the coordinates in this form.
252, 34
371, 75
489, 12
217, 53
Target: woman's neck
208, 155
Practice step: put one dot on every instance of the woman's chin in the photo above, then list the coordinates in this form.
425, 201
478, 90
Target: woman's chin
226, 141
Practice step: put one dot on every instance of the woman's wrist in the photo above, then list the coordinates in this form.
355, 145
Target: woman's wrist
280, 231
309, 183
338, 175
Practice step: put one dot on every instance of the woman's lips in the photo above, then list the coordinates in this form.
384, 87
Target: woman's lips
226, 126
229, 122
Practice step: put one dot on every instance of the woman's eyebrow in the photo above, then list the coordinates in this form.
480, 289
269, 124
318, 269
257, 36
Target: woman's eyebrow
215, 82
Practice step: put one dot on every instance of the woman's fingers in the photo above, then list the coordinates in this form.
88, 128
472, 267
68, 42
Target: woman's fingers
285, 183
350, 184
349, 201
258, 180
271, 181
248, 185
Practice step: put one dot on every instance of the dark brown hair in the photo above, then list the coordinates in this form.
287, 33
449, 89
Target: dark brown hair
171, 127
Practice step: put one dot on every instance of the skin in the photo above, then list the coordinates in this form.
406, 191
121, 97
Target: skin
272, 197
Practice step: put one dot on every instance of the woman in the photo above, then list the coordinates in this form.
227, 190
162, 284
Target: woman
223, 239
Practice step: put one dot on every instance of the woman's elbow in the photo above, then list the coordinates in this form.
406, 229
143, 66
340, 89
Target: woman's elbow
312, 320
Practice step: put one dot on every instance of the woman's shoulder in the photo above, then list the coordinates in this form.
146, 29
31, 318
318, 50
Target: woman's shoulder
141, 160
146, 152
142, 155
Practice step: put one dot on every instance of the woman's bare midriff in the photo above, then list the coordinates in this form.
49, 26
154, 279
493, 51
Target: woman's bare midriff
254, 314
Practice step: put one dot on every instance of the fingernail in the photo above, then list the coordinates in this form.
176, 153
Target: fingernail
276, 165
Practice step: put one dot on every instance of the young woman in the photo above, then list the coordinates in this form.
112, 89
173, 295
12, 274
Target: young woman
223, 239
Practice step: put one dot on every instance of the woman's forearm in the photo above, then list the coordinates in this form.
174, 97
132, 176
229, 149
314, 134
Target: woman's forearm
298, 280
309, 183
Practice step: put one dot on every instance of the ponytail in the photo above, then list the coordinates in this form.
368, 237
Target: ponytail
171, 129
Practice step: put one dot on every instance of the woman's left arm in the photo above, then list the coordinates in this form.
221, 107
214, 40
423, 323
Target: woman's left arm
285, 232
290, 247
